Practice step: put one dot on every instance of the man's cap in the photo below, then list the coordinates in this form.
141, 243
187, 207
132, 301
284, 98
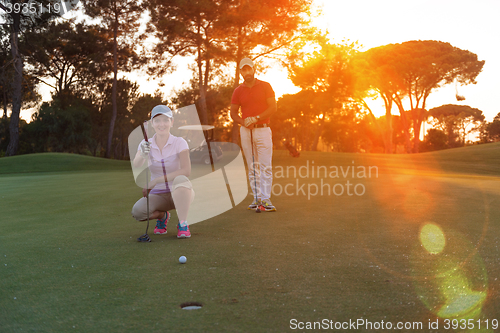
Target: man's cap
246, 62
161, 109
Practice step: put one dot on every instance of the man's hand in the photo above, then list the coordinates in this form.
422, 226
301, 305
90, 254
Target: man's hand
250, 121
145, 148
145, 192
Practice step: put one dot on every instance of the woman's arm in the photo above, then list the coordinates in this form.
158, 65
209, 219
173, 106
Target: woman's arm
138, 159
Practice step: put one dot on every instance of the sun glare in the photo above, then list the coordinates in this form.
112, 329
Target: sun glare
432, 238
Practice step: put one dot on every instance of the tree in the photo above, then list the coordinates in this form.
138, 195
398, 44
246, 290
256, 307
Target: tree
74, 55
218, 100
328, 72
188, 27
371, 76
435, 140
29, 96
59, 128
455, 120
493, 128
16, 82
262, 28
372, 141
397, 137
412, 70
143, 106
296, 117
4, 135
6, 75
120, 18
18, 19
219, 32
343, 131
127, 95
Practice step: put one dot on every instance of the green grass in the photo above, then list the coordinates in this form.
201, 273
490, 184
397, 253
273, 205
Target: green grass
69, 260
58, 162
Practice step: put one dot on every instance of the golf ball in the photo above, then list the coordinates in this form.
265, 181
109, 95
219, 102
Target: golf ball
182, 259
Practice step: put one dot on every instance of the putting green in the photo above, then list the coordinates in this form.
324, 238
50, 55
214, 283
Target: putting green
69, 259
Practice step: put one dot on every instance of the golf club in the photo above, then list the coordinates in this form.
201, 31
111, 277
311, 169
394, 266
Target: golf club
145, 237
254, 177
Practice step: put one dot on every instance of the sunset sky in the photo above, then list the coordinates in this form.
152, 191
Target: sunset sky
465, 24
468, 25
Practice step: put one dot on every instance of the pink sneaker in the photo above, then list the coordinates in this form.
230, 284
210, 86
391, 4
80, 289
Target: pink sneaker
161, 225
183, 230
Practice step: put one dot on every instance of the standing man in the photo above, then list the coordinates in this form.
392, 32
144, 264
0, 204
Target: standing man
256, 99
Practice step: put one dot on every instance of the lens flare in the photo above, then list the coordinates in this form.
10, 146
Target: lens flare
460, 299
448, 274
432, 238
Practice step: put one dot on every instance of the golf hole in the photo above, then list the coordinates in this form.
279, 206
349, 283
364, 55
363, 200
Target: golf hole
191, 306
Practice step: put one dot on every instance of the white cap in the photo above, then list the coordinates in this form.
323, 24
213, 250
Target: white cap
246, 62
161, 109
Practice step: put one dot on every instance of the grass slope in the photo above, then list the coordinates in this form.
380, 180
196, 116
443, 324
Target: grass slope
69, 260
474, 160
481, 159
58, 162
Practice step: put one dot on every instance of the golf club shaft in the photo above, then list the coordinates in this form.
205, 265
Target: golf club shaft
147, 199
147, 178
253, 163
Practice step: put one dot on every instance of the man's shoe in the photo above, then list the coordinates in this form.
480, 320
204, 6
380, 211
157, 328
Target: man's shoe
254, 205
183, 230
267, 206
161, 225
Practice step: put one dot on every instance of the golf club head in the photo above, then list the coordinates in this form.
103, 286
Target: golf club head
144, 238
260, 209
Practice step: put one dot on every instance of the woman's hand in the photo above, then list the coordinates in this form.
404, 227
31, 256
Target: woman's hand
145, 149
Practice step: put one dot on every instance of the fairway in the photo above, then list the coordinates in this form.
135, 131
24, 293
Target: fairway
69, 259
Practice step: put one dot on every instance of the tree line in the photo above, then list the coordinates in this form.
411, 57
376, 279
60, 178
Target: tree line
93, 110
